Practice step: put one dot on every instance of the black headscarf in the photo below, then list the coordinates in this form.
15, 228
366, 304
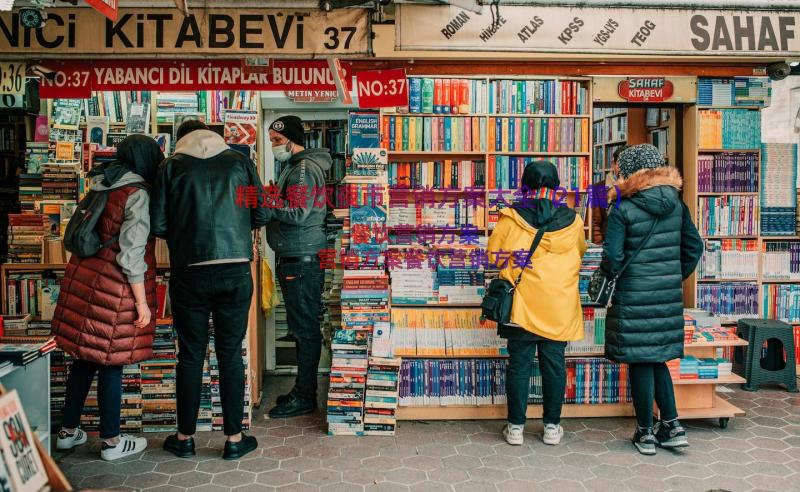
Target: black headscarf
536, 175
141, 155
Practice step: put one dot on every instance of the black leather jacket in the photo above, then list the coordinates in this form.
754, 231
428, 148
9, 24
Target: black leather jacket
198, 204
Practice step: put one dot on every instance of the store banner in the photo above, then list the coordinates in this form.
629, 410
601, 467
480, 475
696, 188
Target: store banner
382, 88
109, 8
648, 89
212, 31
598, 30
78, 79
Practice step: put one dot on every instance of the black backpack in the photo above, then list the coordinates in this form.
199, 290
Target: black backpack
81, 237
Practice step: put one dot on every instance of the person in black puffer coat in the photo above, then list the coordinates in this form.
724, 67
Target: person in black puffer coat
644, 325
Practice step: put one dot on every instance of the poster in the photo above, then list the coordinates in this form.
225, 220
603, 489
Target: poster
241, 127
25, 468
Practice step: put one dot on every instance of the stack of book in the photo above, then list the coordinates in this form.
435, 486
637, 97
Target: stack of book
58, 385
730, 129
689, 327
60, 181
131, 408
538, 134
24, 353
778, 189
431, 332
15, 325
691, 367
445, 174
728, 171
729, 299
168, 104
25, 235
412, 285
442, 96
590, 380
781, 260
210, 396
32, 293
729, 259
434, 133
452, 382
382, 396
589, 264
350, 347
30, 192
594, 333
505, 172
159, 411
538, 97
460, 285
728, 215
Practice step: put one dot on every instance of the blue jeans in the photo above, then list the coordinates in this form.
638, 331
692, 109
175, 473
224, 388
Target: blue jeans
518, 378
109, 395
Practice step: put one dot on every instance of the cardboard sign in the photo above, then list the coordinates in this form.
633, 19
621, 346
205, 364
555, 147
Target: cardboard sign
79, 79
12, 78
224, 32
382, 88
304, 96
108, 8
645, 89
561, 29
25, 467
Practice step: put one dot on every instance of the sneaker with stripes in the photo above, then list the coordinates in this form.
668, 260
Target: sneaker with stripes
127, 446
65, 440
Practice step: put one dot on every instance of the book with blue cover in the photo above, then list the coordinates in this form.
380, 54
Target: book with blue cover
363, 130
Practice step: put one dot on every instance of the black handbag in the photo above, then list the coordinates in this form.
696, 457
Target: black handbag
601, 287
496, 304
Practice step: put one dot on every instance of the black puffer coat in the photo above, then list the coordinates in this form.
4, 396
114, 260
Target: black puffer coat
645, 322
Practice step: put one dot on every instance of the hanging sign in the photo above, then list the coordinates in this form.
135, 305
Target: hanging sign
554, 29
645, 89
213, 31
382, 88
79, 79
12, 77
109, 8
308, 96
340, 79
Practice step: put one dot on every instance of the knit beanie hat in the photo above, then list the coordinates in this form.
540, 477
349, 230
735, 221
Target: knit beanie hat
290, 127
638, 157
540, 174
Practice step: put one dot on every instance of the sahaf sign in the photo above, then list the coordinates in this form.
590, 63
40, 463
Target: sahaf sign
554, 29
645, 89
76, 32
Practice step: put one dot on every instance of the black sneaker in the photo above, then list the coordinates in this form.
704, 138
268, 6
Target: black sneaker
181, 449
284, 399
670, 435
294, 407
645, 440
235, 450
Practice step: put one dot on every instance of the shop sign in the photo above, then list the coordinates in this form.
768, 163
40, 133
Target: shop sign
12, 77
645, 89
12, 101
212, 31
308, 96
382, 88
78, 79
109, 8
528, 28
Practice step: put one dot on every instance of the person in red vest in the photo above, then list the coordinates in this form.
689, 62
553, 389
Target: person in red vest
104, 316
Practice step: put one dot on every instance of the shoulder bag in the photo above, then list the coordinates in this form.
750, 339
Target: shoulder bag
496, 304
601, 288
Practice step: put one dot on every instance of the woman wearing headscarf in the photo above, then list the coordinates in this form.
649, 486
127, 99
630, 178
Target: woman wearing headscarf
104, 316
546, 312
644, 325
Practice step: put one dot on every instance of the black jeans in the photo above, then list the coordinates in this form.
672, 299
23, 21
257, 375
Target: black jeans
652, 381
301, 284
109, 395
518, 378
223, 292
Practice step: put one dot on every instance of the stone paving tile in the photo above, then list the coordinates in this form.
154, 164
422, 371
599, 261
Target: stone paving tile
758, 452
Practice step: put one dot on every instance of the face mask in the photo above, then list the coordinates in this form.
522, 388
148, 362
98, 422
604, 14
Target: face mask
282, 152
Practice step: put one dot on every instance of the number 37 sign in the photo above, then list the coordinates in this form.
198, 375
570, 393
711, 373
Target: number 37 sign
382, 88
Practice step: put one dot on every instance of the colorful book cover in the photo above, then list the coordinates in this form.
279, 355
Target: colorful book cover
42, 129
364, 130
67, 113
241, 127
97, 129
25, 467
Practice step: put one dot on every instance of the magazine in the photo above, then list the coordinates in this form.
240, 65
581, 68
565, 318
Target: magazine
138, 118
241, 127
24, 465
67, 113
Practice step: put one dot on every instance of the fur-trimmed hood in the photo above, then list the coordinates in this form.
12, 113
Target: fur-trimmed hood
655, 190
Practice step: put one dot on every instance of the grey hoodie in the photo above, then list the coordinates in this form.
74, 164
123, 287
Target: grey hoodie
295, 229
135, 228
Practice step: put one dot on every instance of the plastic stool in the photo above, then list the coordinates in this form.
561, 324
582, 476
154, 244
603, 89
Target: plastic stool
756, 332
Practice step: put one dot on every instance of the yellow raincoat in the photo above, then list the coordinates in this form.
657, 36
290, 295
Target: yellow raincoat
546, 302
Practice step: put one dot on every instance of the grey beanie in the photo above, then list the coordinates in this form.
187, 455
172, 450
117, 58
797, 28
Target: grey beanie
638, 157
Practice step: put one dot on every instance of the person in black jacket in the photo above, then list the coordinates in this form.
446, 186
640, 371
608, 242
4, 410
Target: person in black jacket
644, 326
201, 206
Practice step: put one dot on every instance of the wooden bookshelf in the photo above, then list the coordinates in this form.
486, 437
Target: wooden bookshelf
499, 412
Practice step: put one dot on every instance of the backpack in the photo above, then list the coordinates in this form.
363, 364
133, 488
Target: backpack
81, 237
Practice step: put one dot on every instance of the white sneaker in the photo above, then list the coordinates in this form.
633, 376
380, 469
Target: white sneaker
69, 441
513, 434
127, 446
552, 434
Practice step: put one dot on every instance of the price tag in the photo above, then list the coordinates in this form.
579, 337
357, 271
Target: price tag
382, 88
12, 77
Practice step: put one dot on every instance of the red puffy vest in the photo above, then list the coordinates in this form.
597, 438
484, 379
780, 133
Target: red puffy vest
94, 317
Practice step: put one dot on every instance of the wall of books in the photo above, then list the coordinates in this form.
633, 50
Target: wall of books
70, 137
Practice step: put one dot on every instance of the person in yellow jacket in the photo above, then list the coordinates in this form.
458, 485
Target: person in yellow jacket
546, 312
